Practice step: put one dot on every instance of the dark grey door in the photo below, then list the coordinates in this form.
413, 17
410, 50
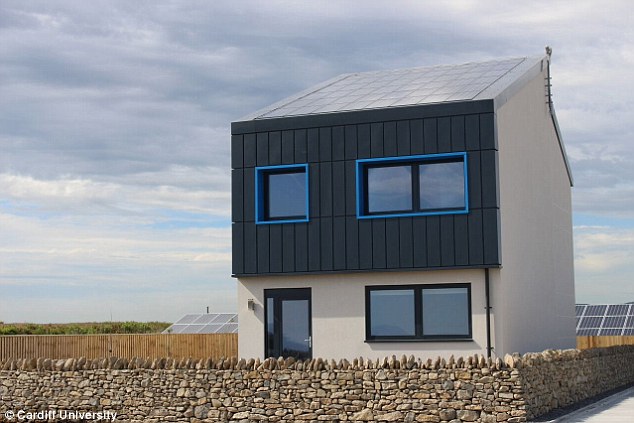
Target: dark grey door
288, 323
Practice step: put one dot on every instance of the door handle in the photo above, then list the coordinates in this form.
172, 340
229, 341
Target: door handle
310, 341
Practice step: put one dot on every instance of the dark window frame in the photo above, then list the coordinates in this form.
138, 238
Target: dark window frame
261, 193
418, 314
277, 295
363, 165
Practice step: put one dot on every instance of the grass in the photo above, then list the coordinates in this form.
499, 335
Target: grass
91, 328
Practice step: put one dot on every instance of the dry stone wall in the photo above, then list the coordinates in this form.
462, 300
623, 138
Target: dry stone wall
471, 389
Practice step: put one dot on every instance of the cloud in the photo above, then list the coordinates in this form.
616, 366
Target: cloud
115, 137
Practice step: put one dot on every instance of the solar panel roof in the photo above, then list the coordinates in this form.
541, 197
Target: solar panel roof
205, 323
403, 87
605, 319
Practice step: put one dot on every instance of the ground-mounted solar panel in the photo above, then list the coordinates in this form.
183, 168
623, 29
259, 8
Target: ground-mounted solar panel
595, 310
205, 323
579, 309
628, 332
614, 322
618, 310
590, 322
588, 332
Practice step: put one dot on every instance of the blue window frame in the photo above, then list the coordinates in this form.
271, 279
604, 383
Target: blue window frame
421, 185
281, 194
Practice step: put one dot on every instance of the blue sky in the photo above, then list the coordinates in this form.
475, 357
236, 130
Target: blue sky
115, 127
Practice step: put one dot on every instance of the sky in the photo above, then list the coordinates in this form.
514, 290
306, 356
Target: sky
115, 132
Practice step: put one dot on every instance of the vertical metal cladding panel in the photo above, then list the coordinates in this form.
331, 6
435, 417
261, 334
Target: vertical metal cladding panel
389, 139
301, 148
433, 241
314, 189
325, 144
430, 136
365, 244
250, 249
250, 150
249, 194
488, 140
444, 135
313, 145
419, 230
472, 132
364, 144
461, 239
350, 150
338, 189
326, 243
476, 243
288, 248
237, 248
263, 246
352, 243
237, 197
447, 246
489, 178
475, 179
417, 142
403, 138
301, 247
490, 218
325, 189
457, 133
288, 148
275, 248
392, 244
314, 246
262, 149
339, 243
275, 148
378, 244
376, 140
406, 242
338, 143
350, 188
237, 156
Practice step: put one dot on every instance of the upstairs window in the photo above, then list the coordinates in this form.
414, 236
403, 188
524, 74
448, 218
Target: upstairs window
281, 194
412, 186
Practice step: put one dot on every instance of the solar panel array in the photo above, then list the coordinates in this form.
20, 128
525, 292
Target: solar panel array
205, 323
393, 88
605, 320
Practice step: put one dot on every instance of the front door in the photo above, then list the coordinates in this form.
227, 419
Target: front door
288, 324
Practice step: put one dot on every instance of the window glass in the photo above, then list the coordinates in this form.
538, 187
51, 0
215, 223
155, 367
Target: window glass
392, 313
389, 188
445, 311
270, 326
442, 185
286, 194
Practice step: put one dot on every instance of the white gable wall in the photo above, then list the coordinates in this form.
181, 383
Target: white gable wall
533, 292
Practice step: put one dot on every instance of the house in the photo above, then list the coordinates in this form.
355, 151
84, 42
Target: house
419, 211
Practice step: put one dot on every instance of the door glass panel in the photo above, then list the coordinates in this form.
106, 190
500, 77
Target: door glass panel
295, 328
270, 327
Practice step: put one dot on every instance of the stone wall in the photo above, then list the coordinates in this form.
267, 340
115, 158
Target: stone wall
405, 390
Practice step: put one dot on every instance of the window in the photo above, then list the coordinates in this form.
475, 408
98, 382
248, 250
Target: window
412, 186
281, 194
418, 312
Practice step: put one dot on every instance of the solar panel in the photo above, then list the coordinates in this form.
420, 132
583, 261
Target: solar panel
605, 319
402, 87
205, 323
596, 310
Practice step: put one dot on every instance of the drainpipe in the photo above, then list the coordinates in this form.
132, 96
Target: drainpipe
488, 310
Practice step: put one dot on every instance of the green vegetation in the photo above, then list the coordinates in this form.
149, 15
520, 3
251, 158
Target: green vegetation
81, 328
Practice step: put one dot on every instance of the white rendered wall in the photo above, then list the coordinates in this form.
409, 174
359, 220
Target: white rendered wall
338, 308
533, 293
